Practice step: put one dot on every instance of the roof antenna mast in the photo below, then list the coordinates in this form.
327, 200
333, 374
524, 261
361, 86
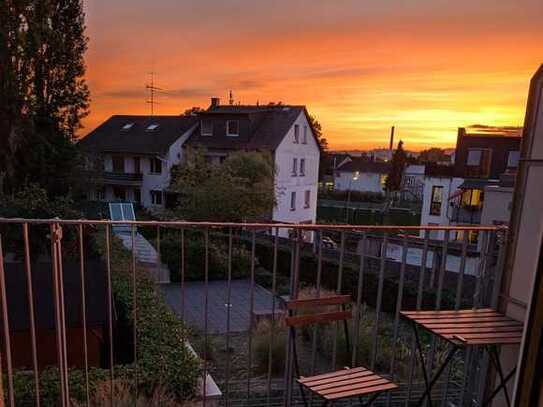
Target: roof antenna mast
152, 89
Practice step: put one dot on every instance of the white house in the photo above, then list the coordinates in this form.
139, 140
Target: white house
135, 155
362, 175
413, 182
439, 186
284, 131
138, 152
485, 164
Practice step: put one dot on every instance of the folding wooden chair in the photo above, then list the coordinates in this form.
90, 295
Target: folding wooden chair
348, 382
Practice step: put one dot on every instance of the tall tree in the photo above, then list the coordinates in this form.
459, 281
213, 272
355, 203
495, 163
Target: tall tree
239, 189
42, 74
398, 163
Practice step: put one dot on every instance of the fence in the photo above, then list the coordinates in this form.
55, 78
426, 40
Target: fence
229, 283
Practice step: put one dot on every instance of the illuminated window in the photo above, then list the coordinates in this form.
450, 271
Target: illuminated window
356, 175
206, 128
383, 181
232, 128
472, 198
436, 200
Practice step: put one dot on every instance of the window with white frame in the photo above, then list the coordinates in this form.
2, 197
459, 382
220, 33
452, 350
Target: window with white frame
156, 197
304, 135
156, 165
296, 133
293, 201
302, 167
307, 199
232, 128
206, 128
294, 167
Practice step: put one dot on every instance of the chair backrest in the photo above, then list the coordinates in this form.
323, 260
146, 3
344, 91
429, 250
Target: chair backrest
314, 304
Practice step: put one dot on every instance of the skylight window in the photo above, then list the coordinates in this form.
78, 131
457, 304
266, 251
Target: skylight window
152, 127
127, 126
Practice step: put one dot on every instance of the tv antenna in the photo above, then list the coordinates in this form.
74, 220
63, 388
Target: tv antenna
152, 89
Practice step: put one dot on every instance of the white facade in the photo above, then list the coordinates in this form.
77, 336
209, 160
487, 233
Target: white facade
497, 205
359, 181
152, 185
296, 179
413, 181
432, 213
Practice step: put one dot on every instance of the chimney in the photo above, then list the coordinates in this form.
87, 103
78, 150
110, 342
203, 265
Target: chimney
215, 102
391, 146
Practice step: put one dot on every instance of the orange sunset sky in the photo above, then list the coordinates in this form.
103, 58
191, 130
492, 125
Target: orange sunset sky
360, 66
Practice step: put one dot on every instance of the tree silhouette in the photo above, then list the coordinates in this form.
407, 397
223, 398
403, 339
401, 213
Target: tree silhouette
395, 175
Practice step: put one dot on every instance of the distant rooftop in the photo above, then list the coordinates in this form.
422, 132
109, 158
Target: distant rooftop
493, 131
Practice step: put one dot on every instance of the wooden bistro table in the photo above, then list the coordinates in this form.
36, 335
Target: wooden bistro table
476, 327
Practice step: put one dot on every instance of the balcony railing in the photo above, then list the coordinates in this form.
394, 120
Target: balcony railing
122, 178
467, 214
228, 285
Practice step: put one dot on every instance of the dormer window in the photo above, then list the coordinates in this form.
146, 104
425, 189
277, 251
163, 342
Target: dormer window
296, 134
206, 128
127, 126
152, 127
232, 128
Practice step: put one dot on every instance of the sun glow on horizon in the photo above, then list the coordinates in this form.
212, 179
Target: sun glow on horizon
427, 68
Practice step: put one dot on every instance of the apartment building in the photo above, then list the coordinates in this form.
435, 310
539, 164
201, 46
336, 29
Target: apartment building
485, 162
136, 153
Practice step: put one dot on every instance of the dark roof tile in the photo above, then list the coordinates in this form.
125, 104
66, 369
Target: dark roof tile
110, 136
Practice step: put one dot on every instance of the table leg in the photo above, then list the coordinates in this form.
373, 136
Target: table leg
423, 366
428, 392
493, 353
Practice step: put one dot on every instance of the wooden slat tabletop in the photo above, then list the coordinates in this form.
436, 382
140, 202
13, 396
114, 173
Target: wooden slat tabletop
469, 327
346, 383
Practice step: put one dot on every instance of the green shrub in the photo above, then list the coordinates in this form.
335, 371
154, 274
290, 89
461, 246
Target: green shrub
170, 251
163, 359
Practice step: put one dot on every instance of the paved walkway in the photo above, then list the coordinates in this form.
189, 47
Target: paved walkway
217, 299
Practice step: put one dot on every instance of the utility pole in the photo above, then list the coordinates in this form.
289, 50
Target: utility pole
152, 89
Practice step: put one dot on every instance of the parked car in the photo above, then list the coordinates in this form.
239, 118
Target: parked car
328, 243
